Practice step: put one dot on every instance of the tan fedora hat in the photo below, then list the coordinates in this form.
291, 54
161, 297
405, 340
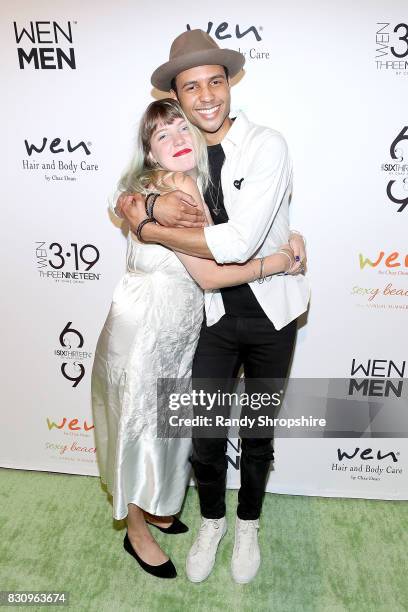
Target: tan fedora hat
195, 48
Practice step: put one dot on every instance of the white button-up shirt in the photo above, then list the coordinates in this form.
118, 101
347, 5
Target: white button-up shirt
258, 213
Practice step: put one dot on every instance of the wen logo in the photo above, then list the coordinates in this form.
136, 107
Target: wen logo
236, 449
55, 147
381, 383
51, 56
366, 454
72, 425
223, 27
389, 261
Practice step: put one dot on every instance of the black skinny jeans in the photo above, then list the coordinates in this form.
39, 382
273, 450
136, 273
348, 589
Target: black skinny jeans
222, 348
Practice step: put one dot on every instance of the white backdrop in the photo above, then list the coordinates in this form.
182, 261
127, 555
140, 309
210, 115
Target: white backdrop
332, 79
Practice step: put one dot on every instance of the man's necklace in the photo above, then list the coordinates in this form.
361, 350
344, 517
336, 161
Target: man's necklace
216, 209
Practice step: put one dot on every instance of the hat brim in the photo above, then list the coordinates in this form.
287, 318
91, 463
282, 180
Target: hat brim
164, 74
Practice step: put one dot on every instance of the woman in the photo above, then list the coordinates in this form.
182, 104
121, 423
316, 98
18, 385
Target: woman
151, 332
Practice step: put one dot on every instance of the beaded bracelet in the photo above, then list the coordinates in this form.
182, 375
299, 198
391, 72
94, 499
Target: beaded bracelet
151, 204
141, 226
148, 197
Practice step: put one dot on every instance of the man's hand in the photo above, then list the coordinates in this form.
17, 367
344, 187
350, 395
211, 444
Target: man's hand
173, 209
178, 209
297, 244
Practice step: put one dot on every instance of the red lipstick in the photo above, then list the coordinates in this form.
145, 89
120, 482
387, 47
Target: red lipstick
182, 152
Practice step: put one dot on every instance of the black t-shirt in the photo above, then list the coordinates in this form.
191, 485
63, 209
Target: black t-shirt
239, 301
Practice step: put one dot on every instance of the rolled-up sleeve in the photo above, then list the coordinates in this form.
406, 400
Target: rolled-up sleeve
267, 180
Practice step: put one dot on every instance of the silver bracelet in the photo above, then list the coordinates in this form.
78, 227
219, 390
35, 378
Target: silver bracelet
290, 260
261, 276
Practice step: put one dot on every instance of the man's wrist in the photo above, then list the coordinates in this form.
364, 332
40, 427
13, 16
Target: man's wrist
150, 232
157, 205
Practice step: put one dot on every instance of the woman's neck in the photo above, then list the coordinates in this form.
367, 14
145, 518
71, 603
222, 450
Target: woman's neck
193, 173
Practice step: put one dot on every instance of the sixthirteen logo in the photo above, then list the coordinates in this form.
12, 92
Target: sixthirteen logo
72, 368
398, 168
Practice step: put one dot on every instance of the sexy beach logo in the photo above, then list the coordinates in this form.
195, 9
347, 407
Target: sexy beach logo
72, 450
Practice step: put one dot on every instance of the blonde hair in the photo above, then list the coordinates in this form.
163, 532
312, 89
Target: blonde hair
142, 171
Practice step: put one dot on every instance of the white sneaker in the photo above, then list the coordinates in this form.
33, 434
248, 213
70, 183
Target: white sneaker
246, 556
201, 558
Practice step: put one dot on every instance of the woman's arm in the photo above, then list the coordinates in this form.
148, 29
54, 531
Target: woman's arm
210, 275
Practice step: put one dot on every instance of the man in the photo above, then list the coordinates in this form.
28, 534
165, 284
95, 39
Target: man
251, 325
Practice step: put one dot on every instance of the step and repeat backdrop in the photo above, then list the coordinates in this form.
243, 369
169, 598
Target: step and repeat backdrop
333, 79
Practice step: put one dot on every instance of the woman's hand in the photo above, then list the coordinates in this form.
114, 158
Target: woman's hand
279, 262
133, 210
289, 263
297, 243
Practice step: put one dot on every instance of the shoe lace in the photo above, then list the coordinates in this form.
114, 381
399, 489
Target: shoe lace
246, 535
206, 534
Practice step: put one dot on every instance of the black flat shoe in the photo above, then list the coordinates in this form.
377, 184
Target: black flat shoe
176, 527
165, 570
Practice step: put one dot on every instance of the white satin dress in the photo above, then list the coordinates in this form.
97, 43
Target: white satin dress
151, 332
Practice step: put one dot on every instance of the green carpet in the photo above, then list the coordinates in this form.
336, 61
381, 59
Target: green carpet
318, 554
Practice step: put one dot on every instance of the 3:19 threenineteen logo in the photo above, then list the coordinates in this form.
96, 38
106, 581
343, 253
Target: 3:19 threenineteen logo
392, 47
44, 45
53, 261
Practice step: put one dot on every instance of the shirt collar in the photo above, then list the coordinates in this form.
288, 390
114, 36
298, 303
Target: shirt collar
238, 130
